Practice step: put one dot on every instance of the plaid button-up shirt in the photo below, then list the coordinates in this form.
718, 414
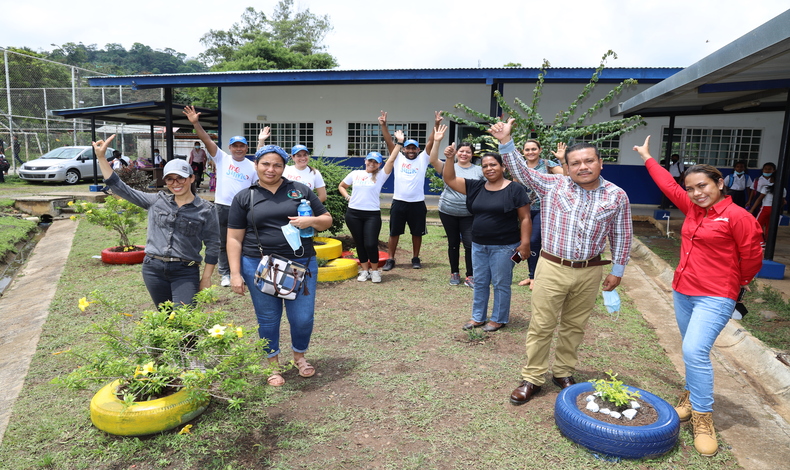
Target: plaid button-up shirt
575, 222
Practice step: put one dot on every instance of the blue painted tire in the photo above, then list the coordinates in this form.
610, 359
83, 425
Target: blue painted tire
630, 442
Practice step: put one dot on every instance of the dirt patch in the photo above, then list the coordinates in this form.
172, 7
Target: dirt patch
646, 414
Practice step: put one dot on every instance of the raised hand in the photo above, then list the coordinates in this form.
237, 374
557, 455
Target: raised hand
100, 146
266, 132
501, 130
399, 136
560, 153
438, 133
449, 152
191, 114
438, 118
383, 118
644, 149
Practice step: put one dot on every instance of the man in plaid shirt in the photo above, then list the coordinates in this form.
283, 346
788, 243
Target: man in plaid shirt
580, 212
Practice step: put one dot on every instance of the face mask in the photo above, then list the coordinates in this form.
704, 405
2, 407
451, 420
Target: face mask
156, 154
611, 300
739, 173
197, 146
292, 236
767, 175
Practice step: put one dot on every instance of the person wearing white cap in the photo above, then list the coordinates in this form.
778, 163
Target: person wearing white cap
363, 217
179, 225
234, 173
302, 172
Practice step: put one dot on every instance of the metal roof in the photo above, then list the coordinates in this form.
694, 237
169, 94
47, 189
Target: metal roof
144, 112
338, 76
750, 74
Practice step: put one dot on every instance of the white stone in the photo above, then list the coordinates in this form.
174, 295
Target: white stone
629, 414
605, 411
615, 415
635, 405
589, 398
597, 394
592, 406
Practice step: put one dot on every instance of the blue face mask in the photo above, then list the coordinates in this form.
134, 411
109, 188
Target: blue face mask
739, 173
767, 175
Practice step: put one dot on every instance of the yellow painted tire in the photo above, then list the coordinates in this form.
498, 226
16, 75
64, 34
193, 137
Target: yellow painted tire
338, 270
145, 417
331, 250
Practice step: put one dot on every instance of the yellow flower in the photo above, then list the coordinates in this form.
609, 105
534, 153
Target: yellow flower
73, 217
171, 316
239, 332
84, 304
186, 429
148, 368
218, 331
60, 352
90, 211
70, 203
138, 371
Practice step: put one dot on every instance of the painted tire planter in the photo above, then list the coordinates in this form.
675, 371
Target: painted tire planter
383, 257
630, 442
145, 417
123, 257
338, 269
330, 250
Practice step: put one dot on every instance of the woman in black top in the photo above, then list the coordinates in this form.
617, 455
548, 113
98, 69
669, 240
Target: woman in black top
501, 226
274, 201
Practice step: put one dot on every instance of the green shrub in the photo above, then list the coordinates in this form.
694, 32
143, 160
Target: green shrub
333, 174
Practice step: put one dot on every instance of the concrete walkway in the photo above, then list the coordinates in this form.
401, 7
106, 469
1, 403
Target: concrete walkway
24, 308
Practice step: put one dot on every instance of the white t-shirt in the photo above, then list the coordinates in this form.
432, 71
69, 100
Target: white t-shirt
410, 177
232, 176
366, 192
768, 200
761, 182
311, 178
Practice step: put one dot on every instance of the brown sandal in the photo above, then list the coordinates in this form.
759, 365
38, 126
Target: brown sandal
276, 380
305, 369
472, 324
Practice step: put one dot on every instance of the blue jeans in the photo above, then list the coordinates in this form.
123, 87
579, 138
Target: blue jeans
700, 320
492, 265
171, 280
269, 309
534, 243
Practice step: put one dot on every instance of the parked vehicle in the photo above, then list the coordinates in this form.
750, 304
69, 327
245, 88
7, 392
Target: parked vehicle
64, 164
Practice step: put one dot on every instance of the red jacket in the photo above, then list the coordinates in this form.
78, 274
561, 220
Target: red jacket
721, 247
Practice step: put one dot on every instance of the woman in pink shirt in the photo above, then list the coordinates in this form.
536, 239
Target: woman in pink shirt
720, 254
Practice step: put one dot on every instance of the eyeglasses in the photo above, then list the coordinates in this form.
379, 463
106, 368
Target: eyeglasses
175, 180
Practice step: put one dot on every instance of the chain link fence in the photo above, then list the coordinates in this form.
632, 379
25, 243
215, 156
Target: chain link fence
32, 87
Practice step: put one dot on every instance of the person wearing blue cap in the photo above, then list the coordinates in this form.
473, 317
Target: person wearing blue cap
255, 224
408, 199
363, 217
234, 173
302, 172
180, 223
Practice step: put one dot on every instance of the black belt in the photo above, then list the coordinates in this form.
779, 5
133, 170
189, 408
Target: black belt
174, 260
596, 261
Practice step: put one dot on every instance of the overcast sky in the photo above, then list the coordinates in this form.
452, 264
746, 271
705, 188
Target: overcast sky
418, 33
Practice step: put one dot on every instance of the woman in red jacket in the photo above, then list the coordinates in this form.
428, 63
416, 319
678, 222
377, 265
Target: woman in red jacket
720, 254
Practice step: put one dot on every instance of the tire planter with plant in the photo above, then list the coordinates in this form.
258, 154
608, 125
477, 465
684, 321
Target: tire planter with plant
338, 269
111, 256
383, 257
146, 417
327, 248
631, 442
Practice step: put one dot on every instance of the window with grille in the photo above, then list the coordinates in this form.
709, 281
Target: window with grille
608, 148
365, 137
717, 147
284, 134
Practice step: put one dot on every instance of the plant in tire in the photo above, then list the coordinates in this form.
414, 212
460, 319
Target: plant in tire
613, 390
115, 214
162, 351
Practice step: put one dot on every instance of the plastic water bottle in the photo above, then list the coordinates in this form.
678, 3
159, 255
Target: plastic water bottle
305, 210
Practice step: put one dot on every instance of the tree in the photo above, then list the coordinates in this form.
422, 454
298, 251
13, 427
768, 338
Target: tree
530, 124
289, 40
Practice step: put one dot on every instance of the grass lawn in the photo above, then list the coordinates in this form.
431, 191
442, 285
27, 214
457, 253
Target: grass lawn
399, 384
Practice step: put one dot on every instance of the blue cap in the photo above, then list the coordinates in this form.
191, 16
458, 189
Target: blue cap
271, 149
238, 138
411, 142
375, 156
297, 148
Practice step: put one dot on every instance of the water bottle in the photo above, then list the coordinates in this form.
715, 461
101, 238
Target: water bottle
305, 210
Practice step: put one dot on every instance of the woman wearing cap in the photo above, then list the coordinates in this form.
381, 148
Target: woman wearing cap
272, 203
720, 254
179, 224
302, 172
363, 216
456, 218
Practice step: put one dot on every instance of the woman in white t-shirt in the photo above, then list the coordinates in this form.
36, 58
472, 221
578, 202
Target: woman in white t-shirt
363, 217
765, 202
302, 172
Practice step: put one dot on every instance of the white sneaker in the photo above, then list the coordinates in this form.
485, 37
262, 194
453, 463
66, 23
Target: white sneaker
225, 281
363, 276
375, 276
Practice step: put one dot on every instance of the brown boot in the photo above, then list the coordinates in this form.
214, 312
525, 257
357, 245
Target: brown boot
684, 407
704, 434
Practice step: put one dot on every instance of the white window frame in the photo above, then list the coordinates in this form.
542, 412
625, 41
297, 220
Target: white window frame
366, 137
720, 147
284, 134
